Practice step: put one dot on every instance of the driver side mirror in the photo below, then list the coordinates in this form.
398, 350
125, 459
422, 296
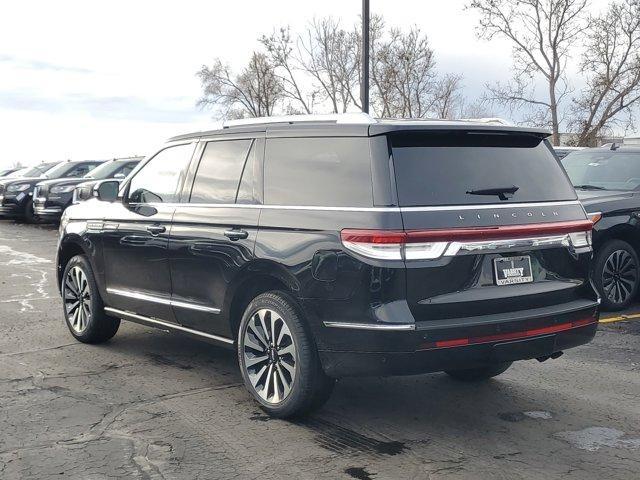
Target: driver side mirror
107, 191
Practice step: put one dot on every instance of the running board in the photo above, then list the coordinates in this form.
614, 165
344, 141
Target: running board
172, 327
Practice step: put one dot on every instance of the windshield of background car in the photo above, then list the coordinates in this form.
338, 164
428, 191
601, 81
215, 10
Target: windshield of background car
106, 170
36, 171
609, 170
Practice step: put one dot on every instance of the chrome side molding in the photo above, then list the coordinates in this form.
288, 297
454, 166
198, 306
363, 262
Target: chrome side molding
134, 317
165, 301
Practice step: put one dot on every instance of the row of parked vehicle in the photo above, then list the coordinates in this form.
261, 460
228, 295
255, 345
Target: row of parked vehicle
323, 248
43, 192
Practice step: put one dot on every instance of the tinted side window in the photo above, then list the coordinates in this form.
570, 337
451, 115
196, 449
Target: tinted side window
332, 172
159, 179
219, 171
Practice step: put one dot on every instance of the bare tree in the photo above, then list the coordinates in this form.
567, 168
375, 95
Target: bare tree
329, 55
320, 70
255, 92
403, 73
611, 63
541, 32
448, 100
285, 57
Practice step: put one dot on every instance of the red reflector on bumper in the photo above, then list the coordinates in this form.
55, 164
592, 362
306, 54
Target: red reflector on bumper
459, 342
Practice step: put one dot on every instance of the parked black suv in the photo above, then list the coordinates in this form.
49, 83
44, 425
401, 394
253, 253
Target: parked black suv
17, 201
17, 189
329, 248
607, 180
52, 197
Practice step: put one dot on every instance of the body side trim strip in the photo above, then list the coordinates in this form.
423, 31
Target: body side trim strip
172, 326
164, 301
371, 326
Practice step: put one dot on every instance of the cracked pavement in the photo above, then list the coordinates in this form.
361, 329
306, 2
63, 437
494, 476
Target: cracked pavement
153, 405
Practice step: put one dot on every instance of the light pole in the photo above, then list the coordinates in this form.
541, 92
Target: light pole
364, 87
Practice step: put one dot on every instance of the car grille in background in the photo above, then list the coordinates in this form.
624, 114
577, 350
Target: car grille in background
1, 188
36, 192
40, 191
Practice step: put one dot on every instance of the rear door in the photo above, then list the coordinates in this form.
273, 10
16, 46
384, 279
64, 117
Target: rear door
214, 230
493, 224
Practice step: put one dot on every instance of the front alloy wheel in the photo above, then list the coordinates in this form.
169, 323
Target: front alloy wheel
83, 307
269, 356
616, 274
77, 299
619, 276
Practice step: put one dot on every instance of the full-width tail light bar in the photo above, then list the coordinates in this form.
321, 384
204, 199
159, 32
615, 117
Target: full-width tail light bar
435, 243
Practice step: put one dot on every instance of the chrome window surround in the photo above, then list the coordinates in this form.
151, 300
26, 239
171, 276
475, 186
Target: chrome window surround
165, 301
168, 325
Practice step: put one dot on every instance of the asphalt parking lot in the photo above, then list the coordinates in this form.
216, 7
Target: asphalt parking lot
153, 405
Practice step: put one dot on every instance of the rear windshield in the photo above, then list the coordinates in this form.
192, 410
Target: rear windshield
463, 168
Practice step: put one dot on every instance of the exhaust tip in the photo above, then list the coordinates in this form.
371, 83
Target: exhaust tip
553, 356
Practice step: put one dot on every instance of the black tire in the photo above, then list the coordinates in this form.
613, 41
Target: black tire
480, 373
617, 286
98, 327
310, 388
29, 214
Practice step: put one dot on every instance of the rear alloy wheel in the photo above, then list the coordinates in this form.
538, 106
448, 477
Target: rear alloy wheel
616, 274
278, 359
83, 307
269, 356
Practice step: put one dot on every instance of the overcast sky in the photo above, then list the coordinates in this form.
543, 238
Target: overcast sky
87, 79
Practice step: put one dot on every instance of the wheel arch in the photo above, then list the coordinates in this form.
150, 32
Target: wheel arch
69, 248
624, 232
259, 277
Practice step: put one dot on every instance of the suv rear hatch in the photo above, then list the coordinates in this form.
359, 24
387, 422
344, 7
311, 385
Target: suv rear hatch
492, 225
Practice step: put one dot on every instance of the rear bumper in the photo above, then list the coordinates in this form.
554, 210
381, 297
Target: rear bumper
464, 343
344, 364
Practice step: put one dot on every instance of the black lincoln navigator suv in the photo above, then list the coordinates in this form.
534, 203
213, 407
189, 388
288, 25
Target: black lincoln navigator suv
328, 248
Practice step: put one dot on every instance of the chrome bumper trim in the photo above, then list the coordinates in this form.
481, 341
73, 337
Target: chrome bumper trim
372, 326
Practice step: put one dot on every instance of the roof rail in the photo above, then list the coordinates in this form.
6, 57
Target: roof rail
342, 118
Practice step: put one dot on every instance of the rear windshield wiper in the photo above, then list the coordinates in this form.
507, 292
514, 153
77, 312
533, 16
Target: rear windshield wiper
589, 187
501, 192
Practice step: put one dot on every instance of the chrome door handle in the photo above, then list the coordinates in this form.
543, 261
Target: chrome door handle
236, 234
156, 229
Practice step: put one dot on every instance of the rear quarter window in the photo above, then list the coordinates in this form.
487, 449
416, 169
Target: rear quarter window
441, 168
331, 172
